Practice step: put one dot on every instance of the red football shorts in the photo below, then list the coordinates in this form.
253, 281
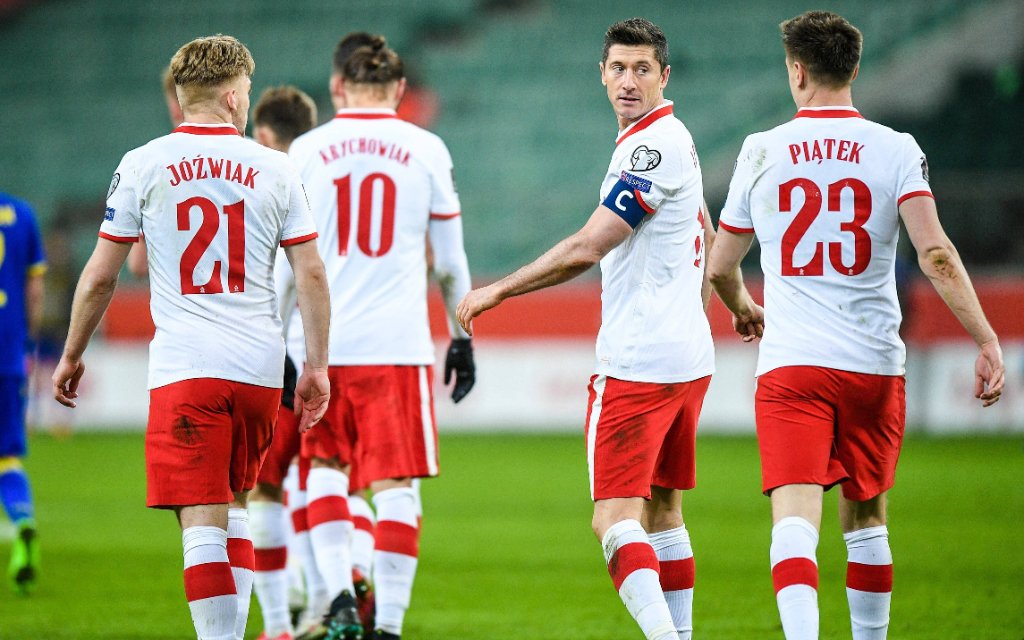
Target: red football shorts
205, 440
381, 420
824, 426
641, 434
283, 448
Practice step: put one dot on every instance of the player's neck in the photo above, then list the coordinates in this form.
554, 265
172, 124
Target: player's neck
824, 97
207, 117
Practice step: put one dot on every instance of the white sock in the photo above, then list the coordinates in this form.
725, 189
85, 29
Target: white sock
295, 498
330, 528
362, 535
869, 582
243, 564
633, 567
395, 556
269, 539
209, 587
795, 575
676, 569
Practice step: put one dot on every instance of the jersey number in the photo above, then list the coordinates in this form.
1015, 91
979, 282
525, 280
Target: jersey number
365, 207
202, 240
807, 214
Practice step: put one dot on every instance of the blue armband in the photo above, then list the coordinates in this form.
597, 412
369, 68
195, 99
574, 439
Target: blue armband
626, 201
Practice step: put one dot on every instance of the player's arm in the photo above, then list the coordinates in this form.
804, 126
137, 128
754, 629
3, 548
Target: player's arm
284, 286
709, 242
451, 270
138, 264
727, 279
92, 296
569, 258
315, 309
940, 261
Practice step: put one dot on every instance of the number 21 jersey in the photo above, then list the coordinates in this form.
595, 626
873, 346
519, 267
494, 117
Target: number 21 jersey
822, 194
213, 207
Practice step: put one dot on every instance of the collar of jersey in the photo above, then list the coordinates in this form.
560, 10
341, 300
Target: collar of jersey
366, 114
652, 116
207, 129
827, 112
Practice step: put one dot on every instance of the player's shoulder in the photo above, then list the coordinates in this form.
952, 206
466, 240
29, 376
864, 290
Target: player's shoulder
422, 137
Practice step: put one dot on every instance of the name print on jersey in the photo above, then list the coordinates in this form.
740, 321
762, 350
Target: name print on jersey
819, 150
365, 146
201, 168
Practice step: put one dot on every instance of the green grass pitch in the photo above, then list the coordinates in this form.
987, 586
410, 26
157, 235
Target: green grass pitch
507, 551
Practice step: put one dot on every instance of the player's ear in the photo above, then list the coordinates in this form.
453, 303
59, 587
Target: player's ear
600, 65
231, 99
665, 74
856, 70
337, 86
400, 92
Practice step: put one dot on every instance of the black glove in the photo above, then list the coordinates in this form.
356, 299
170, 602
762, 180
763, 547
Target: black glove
460, 361
291, 377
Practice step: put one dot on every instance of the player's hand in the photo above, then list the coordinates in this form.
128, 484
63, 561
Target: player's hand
989, 374
476, 302
65, 381
460, 362
312, 393
749, 324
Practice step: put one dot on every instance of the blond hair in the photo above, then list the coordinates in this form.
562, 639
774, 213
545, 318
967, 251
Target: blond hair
204, 64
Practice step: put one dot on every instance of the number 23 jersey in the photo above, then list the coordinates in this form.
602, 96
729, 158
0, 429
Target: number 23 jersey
213, 207
822, 194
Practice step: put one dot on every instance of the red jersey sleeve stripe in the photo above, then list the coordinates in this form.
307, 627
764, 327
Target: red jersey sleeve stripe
299, 240
732, 229
107, 236
445, 216
914, 194
640, 199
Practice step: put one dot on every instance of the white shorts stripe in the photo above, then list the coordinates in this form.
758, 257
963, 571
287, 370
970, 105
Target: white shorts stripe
429, 446
595, 416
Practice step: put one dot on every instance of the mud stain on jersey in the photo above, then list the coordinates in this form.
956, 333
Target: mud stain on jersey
184, 430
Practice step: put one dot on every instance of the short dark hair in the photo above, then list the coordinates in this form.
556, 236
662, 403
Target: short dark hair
350, 43
373, 64
637, 32
825, 43
287, 111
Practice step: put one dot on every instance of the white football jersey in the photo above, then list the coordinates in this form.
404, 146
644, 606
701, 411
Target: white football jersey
374, 183
822, 194
213, 207
653, 325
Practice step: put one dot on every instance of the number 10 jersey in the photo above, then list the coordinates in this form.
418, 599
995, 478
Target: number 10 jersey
213, 207
375, 182
822, 194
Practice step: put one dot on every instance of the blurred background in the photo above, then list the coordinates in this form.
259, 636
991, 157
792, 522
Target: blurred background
512, 86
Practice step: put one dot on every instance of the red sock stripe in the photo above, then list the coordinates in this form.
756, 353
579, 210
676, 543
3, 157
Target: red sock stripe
208, 580
300, 521
241, 554
795, 571
327, 509
273, 559
363, 523
677, 575
875, 578
629, 558
397, 537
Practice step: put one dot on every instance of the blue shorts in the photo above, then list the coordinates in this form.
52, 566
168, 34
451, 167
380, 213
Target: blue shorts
13, 393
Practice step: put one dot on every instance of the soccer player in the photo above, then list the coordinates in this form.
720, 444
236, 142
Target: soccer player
22, 266
376, 185
215, 208
824, 194
280, 115
654, 350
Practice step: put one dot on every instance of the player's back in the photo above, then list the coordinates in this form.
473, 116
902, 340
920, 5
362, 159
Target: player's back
214, 207
822, 194
21, 254
374, 182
